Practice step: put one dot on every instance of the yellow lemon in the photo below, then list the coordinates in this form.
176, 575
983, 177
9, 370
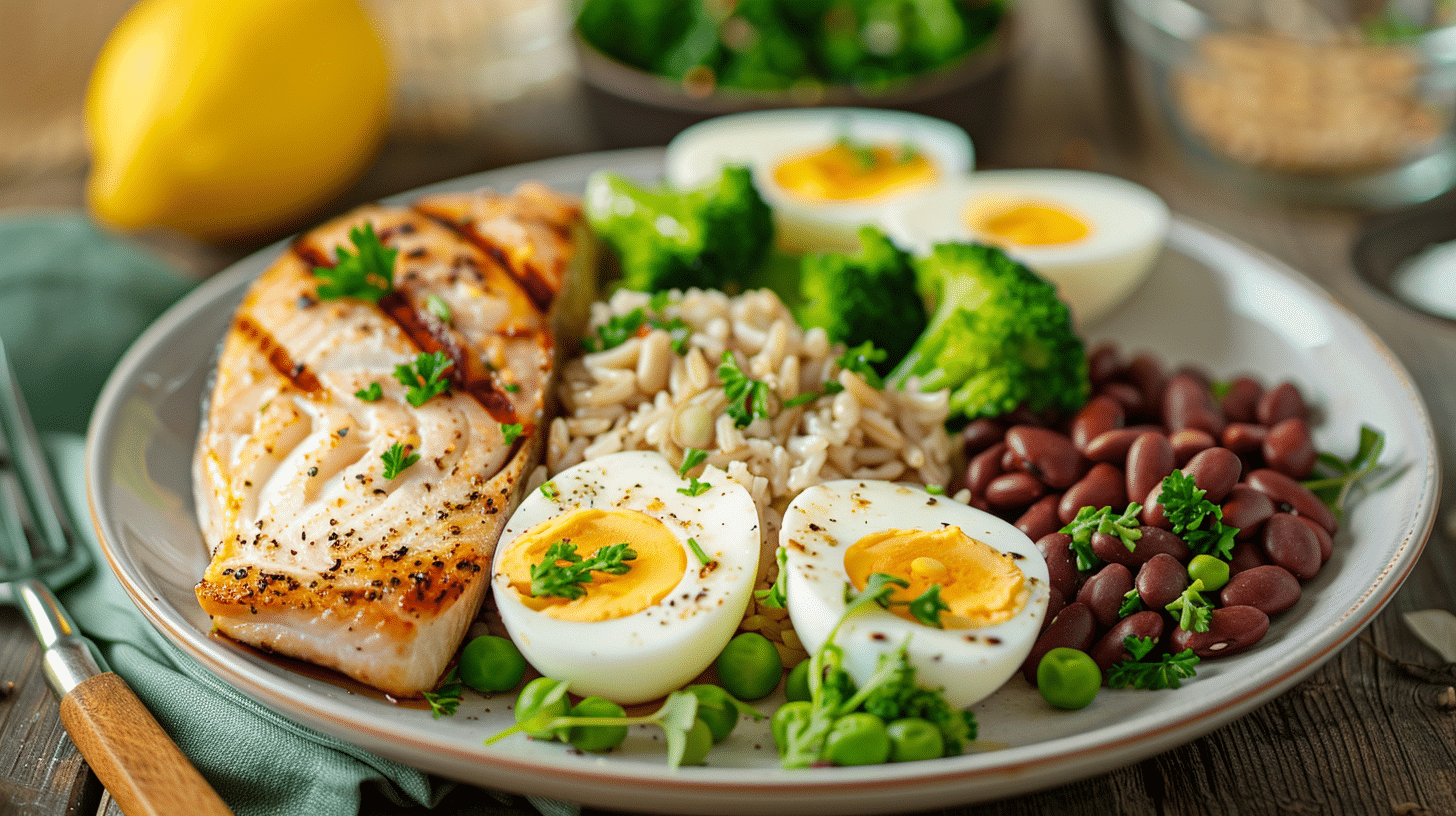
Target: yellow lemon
230, 120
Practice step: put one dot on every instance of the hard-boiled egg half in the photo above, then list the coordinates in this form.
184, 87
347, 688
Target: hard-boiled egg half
1093, 236
989, 574
824, 171
635, 633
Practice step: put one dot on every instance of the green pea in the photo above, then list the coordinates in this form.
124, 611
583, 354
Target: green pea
715, 709
913, 738
857, 739
1214, 573
538, 698
700, 741
1068, 678
796, 687
597, 737
750, 667
491, 663
797, 712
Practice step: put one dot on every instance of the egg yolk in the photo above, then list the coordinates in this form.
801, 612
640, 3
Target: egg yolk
1027, 224
847, 172
981, 585
656, 570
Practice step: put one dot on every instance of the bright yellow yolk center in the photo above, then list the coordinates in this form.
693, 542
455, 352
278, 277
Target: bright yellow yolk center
981, 585
845, 172
1027, 224
658, 567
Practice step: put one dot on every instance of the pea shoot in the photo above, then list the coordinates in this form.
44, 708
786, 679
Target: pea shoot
776, 596
424, 377
396, 459
367, 273
562, 571
692, 457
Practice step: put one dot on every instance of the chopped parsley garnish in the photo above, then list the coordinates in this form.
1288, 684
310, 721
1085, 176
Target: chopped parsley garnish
1132, 602
692, 457
617, 330
444, 700
437, 306
926, 608
511, 432
698, 553
554, 578
1167, 672
549, 490
1091, 520
1198, 521
367, 273
776, 596
511, 387
861, 360
425, 377
935, 490
396, 459
830, 387
1192, 610
747, 398
370, 394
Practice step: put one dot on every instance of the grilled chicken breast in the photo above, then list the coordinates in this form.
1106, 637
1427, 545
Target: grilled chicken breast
317, 553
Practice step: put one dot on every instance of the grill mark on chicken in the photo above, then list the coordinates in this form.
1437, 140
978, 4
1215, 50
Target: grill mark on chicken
531, 278
278, 356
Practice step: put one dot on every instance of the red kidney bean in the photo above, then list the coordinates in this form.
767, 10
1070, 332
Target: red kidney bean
1246, 555
1154, 540
1112, 446
1292, 545
1074, 627
984, 467
1104, 362
1239, 403
1103, 592
1062, 575
1187, 404
1047, 454
1283, 490
1289, 448
1041, 517
1215, 471
1279, 403
1188, 443
1231, 629
1055, 603
1109, 648
1149, 460
1012, 490
1246, 509
1243, 437
1270, 589
1103, 486
1161, 580
1146, 372
981, 434
1326, 541
1099, 415
1133, 401
1152, 514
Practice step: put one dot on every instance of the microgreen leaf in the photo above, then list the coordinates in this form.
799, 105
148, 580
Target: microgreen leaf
928, 606
776, 596
548, 489
370, 393
553, 578
692, 457
1198, 521
396, 459
444, 700
747, 398
1091, 520
1338, 477
367, 273
424, 377
861, 359
617, 330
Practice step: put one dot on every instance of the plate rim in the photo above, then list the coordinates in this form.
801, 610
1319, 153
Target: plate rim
1022, 774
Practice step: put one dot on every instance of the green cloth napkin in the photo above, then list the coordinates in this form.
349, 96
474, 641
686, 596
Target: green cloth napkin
72, 298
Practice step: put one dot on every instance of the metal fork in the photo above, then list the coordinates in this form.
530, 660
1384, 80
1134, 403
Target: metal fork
145, 772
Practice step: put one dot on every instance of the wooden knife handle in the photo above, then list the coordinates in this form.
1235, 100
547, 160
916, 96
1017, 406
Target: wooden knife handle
146, 773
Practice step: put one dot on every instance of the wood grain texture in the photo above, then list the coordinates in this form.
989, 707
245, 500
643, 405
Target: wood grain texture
142, 769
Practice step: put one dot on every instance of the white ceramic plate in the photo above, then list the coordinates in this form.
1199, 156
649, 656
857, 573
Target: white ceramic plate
1209, 300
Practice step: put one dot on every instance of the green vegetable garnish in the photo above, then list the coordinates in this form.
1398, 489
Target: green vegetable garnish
617, 330
367, 273
1195, 519
869, 301
552, 578
425, 377
747, 398
396, 459
1192, 609
698, 553
370, 394
549, 490
776, 596
1132, 602
444, 700
692, 457
1091, 520
511, 432
1166, 672
437, 306
1337, 478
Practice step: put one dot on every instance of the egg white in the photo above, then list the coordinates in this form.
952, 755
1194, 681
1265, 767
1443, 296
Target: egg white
1128, 224
763, 139
646, 655
967, 664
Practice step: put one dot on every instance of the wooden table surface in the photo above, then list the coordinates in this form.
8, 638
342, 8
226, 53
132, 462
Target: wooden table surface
1357, 737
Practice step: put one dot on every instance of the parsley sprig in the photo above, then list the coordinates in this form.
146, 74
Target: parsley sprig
692, 457
396, 459
553, 578
1091, 520
370, 393
367, 273
925, 608
1338, 477
424, 377
1192, 610
1195, 519
861, 360
747, 397
1169, 671
511, 431
444, 700
776, 596
620, 328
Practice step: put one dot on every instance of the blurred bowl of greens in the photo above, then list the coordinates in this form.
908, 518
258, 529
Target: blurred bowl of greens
652, 68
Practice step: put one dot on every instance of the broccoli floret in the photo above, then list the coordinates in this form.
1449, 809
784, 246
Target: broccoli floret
868, 296
710, 236
999, 337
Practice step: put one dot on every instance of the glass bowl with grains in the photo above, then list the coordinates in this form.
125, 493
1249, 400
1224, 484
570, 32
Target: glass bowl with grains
1345, 101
